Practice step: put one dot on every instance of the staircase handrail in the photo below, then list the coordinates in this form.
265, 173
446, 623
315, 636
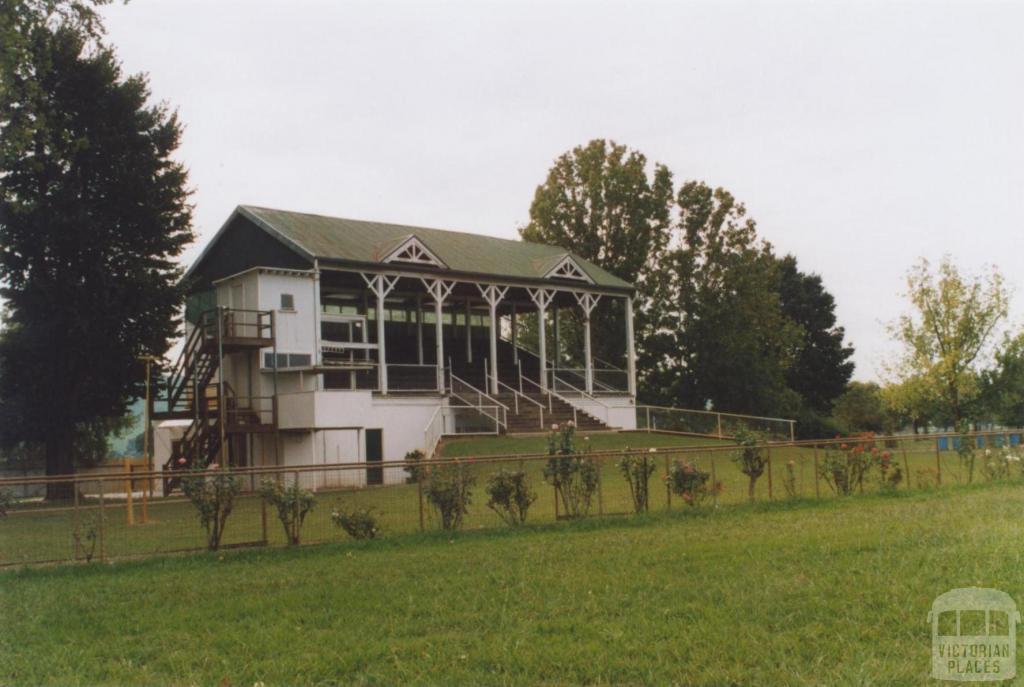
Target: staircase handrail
452, 377
583, 394
431, 441
551, 393
582, 373
517, 395
182, 364
525, 349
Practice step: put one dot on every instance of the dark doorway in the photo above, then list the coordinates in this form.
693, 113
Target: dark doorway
374, 454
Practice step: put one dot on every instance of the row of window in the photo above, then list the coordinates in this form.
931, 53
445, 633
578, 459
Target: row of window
286, 360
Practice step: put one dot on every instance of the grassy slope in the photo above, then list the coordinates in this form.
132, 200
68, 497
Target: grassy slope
834, 592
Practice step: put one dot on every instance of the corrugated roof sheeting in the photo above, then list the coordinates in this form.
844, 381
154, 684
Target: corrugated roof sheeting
346, 240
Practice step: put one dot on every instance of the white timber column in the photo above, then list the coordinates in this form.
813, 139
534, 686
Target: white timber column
630, 348
515, 335
439, 290
493, 295
381, 286
556, 356
542, 299
469, 332
318, 355
419, 329
587, 302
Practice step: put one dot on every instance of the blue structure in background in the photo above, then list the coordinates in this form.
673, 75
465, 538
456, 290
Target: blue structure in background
994, 441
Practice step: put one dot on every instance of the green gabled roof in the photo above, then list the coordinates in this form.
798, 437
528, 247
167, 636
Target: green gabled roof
337, 240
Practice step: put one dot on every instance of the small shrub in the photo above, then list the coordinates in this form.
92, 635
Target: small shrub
510, 496
359, 523
447, 489
789, 479
637, 468
751, 457
691, 483
1000, 464
212, 492
414, 472
573, 474
293, 504
843, 469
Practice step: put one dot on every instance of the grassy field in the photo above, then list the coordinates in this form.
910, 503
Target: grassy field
790, 593
31, 535
599, 441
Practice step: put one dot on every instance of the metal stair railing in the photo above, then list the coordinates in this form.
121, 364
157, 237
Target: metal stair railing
555, 379
551, 393
517, 395
501, 410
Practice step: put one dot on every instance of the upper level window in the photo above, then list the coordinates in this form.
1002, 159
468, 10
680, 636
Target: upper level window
287, 301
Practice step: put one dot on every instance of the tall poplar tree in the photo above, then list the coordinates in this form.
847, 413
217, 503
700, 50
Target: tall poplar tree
608, 204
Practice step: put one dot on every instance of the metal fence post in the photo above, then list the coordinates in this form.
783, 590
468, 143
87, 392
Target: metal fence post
938, 464
419, 496
78, 529
714, 480
906, 466
102, 528
263, 520
668, 484
600, 491
769, 450
128, 504
817, 483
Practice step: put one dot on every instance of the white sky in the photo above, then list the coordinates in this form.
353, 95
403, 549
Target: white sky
859, 135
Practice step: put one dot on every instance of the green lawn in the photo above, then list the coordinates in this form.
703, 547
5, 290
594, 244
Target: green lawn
599, 441
791, 593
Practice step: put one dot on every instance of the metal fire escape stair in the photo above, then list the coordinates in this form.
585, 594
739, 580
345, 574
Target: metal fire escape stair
194, 390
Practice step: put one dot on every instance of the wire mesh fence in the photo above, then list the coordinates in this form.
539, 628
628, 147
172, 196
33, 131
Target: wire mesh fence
117, 516
710, 423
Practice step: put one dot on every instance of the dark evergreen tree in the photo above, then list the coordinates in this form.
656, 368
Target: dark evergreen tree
821, 365
717, 334
93, 213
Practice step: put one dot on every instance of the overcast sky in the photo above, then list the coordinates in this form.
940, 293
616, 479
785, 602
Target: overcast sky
859, 135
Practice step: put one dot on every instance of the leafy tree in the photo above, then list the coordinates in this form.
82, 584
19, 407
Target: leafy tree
821, 366
1003, 384
949, 334
719, 318
913, 401
93, 211
717, 332
861, 408
600, 201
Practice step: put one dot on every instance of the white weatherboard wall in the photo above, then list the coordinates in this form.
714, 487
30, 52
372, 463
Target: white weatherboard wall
296, 329
618, 411
335, 422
